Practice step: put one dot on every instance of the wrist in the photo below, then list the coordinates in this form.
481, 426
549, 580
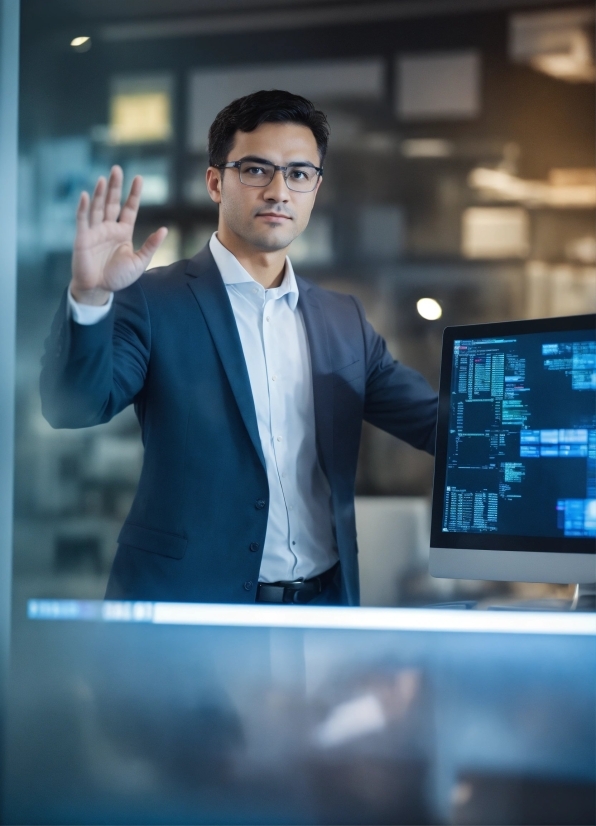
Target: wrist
95, 298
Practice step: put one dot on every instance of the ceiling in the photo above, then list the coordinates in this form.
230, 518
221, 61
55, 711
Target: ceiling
101, 11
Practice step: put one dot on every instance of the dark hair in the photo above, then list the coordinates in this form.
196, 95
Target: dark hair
274, 106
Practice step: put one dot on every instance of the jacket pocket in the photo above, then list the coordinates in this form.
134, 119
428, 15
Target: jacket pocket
156, 542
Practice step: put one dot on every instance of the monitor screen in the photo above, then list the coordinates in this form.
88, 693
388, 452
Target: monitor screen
516, 441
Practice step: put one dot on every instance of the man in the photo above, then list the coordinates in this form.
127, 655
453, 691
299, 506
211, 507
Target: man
250, 384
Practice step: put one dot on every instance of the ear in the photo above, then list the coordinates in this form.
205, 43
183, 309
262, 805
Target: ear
213, 180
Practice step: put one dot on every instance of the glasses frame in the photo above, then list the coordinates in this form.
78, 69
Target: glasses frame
283, 169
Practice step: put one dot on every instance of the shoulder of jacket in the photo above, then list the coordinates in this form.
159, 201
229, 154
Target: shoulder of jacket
338, 299
160, 280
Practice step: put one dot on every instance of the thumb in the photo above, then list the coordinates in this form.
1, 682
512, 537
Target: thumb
150, 247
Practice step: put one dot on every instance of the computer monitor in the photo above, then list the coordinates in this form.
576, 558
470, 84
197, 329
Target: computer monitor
515, 475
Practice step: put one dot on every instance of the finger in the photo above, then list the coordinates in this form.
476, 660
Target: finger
114, 193
98, 203
83, 212
150, 247
132, 203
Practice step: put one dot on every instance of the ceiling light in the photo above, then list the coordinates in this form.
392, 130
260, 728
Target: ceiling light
81, 44
378, 142
426, 148
557, 43
574, 64
560, 191
429, 309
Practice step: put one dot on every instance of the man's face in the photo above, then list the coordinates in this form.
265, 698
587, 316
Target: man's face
267, 218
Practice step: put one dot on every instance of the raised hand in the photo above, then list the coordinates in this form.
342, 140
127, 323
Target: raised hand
104, 259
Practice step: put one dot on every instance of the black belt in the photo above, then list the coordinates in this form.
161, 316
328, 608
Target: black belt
299, 592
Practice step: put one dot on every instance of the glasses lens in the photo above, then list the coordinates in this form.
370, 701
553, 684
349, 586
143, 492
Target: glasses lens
298, 178
302, 178
256, 174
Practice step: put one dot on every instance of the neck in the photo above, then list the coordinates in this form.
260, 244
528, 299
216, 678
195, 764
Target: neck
267, 268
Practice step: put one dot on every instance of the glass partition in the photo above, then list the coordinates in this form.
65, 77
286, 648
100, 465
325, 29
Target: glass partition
459, 187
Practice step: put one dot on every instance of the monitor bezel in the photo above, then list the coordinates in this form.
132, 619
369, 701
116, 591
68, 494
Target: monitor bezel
480, 541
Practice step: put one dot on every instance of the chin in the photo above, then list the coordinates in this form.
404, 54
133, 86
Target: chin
272, 243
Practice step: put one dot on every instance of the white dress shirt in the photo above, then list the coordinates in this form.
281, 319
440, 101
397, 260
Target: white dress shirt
299, 542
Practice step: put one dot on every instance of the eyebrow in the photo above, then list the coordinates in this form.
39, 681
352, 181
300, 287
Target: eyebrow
257, 159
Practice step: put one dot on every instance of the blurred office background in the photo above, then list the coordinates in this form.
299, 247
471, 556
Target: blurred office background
460, 171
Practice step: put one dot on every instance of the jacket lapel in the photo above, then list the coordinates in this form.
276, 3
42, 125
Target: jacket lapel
322, 376
210, 292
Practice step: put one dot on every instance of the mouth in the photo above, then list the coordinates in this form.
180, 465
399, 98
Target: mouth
273, 216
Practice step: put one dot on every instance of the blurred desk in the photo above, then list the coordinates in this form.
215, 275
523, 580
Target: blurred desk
174, 713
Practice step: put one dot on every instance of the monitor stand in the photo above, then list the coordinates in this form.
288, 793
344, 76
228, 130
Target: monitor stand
584, 598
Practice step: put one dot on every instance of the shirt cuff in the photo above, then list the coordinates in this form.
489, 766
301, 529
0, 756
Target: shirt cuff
88, 314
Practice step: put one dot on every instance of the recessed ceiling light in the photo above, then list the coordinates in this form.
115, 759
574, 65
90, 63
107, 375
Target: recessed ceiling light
81, 44
429, 309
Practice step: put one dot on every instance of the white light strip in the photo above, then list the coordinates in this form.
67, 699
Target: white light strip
323, 618
374, 619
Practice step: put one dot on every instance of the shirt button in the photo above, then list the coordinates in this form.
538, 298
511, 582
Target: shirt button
259, 504
290, 507
267, 319
254, 547
279, 438
247, 585
273, 378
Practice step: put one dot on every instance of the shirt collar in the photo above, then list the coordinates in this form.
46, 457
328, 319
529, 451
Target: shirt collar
232, 272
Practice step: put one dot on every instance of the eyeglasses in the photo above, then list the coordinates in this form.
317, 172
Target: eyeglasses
299, 177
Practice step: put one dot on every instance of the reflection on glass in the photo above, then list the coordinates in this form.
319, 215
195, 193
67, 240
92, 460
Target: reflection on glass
410, 725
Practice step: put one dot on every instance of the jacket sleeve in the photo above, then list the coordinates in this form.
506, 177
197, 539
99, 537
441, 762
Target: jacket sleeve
92, 372
398, 399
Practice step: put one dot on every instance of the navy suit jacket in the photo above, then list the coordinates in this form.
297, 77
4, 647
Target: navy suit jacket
170, 345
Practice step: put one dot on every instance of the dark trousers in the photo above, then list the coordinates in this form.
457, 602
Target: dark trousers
331, 595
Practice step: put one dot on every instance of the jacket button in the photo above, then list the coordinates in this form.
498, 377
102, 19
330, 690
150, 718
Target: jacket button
248, 585
260, 503
254, 547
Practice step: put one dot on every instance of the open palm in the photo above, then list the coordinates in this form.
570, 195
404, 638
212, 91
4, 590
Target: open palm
104, 259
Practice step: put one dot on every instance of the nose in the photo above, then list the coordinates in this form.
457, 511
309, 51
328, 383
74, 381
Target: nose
276, 190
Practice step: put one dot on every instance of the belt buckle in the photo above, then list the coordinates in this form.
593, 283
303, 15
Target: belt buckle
290, 591
313, 588
290, 588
